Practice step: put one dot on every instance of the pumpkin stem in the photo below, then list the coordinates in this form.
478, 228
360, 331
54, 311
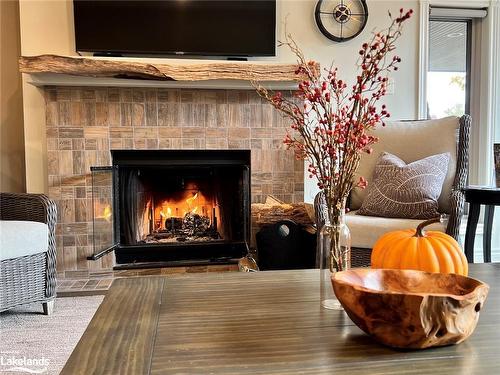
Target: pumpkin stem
420, 229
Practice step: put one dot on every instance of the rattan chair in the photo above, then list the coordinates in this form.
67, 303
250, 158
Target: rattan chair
454, 199
30, 278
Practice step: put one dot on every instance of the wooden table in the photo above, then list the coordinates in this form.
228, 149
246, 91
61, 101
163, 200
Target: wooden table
259, 323
477, 196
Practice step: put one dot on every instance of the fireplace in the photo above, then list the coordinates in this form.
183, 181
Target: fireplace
172, 206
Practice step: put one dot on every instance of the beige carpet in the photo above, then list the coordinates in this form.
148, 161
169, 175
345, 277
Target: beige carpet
35, 342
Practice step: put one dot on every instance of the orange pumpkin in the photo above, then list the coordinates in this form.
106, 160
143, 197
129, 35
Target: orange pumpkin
430, 251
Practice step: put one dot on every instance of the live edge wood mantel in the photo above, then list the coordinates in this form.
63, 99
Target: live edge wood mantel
104, 68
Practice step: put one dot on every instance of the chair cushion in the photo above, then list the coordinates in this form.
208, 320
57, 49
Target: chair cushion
366, 230
21, 238
408, 191
411, 141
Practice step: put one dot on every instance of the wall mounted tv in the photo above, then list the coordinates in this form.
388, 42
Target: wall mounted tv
232, 28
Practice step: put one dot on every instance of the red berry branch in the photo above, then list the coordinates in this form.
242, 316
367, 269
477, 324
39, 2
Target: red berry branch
331, 120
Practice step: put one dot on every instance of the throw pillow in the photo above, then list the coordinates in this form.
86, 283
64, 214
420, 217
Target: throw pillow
409, 191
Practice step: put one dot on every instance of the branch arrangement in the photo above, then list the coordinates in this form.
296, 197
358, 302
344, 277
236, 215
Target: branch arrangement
331, 120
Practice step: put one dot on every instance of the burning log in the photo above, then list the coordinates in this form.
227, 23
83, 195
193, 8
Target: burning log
195, 223
173, 223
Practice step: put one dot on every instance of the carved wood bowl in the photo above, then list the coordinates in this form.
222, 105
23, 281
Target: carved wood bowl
411, 309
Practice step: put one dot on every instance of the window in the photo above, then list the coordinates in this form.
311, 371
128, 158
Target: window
448, 76
450, 61
456, 46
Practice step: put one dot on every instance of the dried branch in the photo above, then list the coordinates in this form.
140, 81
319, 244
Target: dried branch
330, 123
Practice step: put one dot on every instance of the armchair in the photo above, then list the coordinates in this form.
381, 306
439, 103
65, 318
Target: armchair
410, 141
27, 251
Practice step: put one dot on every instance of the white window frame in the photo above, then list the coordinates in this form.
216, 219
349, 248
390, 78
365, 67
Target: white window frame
485, 92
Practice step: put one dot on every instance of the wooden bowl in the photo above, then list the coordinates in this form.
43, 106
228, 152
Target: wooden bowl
411, 309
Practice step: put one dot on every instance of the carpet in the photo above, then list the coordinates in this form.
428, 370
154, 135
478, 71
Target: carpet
39, 344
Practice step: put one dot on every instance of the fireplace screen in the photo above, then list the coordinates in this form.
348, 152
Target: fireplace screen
102, 199
159, 204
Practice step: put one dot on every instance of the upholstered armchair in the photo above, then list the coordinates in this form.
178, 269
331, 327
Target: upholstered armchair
27, 250
410, 141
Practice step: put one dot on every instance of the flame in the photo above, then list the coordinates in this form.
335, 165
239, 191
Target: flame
106, 213
166, 215
190, 201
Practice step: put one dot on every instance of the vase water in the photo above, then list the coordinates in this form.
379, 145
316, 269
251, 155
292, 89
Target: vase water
335, 255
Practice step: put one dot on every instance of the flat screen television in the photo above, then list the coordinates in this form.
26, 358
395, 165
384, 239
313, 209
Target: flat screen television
232, 28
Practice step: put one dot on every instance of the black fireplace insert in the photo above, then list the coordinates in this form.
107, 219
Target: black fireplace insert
172, 207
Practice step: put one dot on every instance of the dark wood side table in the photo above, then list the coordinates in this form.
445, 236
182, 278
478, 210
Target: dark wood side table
477, 196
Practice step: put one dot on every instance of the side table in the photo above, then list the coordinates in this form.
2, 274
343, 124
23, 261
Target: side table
477, 196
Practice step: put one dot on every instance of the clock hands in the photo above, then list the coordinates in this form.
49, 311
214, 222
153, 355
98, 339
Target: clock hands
345, 13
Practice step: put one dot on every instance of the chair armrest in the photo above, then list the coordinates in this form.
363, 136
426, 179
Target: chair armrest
457, 198
28, 207
34, 207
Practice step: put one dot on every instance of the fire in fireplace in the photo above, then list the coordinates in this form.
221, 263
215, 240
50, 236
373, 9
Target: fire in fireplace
187, 215
173, 206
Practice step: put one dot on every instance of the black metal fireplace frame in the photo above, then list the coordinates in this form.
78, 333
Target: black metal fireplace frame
172, 254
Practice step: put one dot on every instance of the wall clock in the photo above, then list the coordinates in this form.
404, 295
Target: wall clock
341, 20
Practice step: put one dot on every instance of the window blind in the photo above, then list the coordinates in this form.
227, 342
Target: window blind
457, 13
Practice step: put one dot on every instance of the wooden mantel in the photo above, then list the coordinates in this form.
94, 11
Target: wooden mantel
104, 68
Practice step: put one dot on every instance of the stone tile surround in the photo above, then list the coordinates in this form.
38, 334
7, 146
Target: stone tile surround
84, 124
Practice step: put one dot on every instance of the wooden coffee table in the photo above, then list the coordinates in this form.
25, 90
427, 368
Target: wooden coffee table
258, 323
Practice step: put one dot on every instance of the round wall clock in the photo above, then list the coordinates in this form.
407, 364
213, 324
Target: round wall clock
341, 20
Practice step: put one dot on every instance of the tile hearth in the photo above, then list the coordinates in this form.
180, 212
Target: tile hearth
77, 283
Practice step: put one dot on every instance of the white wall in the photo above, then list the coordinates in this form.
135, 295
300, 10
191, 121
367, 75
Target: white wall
11, 102
47, 27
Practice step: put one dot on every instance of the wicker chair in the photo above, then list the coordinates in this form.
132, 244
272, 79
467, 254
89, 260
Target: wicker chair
30, 278
453, 201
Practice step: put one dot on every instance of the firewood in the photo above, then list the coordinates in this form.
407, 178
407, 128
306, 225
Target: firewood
272, 212
269, 214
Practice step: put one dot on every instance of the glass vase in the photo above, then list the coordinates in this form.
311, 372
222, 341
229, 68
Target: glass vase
335, 255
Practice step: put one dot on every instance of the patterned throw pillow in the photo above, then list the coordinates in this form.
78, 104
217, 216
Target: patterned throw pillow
408, 191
